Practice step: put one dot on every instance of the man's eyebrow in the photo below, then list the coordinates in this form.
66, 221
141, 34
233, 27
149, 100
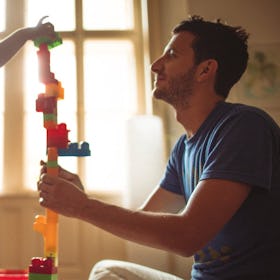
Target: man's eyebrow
168, 48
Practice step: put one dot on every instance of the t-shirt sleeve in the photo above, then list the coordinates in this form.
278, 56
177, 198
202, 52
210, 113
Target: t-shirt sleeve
171, 178
241, 150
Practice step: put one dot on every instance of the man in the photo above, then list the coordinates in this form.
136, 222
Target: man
11, 44
219, 198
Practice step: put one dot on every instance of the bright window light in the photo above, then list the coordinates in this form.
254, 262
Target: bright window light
108, 14
61, 13
110, 94
109, 76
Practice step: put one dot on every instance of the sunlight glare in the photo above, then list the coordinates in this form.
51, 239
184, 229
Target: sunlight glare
56, 10
108, 14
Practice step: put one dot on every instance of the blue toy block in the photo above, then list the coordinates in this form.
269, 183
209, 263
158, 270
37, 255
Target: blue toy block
76, 150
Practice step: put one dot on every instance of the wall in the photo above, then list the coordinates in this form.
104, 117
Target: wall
259, 17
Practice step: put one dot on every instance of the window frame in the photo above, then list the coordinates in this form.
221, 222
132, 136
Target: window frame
13, 153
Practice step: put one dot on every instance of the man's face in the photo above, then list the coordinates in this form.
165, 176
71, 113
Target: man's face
175, 70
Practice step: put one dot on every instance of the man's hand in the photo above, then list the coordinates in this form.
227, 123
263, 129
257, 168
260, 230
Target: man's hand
61, 195
64, 174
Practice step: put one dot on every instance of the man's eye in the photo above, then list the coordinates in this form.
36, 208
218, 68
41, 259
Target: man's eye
171, 52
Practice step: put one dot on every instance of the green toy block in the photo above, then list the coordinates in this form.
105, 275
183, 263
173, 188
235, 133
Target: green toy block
39, 276
51, 43
50, 117
52, 163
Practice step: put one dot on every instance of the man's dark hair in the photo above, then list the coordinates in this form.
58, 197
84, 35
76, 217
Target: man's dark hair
226, 44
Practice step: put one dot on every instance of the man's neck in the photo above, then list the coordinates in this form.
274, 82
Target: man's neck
192, 117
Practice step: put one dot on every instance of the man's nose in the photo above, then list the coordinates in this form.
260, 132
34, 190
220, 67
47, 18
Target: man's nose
156, 65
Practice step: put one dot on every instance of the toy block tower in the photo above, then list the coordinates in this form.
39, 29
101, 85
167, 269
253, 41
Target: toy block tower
57, 145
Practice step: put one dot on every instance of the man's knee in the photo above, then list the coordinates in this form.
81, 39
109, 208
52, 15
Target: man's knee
106, 269
120, 270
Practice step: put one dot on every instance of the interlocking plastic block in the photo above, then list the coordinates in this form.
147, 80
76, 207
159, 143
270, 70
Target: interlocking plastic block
75, 149
50, 117
44, 55
46, 104
8, 274
52, 154
50, 43
58, 137
45, 75
39, 276
50, 124
55, 89
42, 265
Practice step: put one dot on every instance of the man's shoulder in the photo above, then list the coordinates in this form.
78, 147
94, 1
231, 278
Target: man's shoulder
248, 113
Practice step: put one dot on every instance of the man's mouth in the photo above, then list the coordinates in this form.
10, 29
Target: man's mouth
158, 79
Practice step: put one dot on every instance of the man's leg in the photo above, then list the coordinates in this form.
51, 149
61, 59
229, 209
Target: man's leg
113, 270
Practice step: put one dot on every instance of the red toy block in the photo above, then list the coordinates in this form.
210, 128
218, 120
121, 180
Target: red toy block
46, 104
8, 274
44, 55
58, 137
44, 63
42, 265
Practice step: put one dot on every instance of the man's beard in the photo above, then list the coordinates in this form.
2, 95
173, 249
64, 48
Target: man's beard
178, 91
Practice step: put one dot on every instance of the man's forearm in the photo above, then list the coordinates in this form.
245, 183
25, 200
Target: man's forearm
147, 228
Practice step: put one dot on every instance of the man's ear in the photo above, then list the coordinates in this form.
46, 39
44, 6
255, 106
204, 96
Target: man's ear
207, 69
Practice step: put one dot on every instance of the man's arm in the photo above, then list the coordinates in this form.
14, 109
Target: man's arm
210, 207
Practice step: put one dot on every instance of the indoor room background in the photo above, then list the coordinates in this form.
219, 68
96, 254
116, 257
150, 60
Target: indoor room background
104, 67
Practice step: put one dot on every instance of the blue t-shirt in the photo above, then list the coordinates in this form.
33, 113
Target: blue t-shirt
238, 143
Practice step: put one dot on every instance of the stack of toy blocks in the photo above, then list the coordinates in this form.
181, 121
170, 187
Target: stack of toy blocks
57, 144
57, 137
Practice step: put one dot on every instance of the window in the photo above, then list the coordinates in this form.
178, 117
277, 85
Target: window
101, 67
